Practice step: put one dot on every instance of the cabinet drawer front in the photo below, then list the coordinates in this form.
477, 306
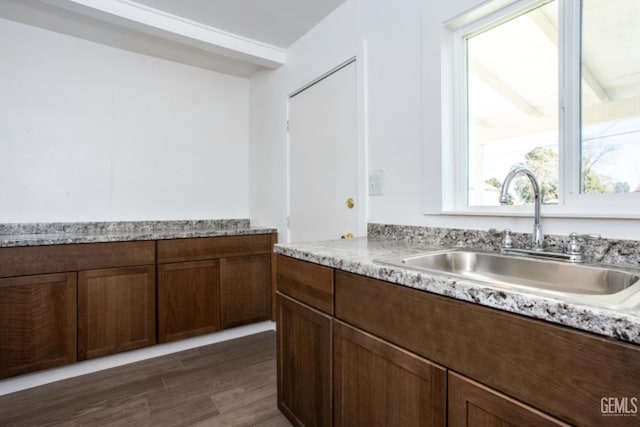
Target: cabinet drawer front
180, 250
563, 372
37, 322
60, 258
307, 282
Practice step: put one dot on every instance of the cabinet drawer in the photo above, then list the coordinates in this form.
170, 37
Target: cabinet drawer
30, 260
306, 282
561, 371
180, 250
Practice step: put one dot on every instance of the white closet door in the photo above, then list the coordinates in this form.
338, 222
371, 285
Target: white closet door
323, 158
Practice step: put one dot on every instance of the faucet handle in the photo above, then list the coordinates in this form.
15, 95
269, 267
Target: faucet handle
574, 247
506, 242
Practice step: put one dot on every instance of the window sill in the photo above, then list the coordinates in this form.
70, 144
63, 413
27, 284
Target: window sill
528, 212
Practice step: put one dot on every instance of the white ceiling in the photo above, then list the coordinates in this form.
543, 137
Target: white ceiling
236, 37
275, 22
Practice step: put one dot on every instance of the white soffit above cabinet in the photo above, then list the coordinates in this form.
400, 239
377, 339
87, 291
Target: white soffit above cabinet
235, 37
275, 22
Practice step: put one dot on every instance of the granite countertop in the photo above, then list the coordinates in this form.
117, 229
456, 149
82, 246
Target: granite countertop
39, 234
358, 255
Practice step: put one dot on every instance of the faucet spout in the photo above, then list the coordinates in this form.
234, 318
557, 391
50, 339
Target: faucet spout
537, 238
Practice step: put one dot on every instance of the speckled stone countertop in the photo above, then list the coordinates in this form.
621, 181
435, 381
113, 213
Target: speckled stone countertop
39, 234
358, 255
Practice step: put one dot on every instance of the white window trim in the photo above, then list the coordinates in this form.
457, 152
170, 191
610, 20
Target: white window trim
573, 204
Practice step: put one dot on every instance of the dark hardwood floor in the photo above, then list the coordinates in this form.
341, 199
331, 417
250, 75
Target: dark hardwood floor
226, 384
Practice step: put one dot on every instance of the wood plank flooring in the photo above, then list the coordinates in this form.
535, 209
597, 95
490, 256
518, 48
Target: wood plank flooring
232, 383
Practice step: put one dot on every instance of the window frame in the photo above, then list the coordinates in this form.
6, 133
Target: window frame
455, 151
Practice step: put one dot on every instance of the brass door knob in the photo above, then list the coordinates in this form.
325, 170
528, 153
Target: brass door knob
351, 203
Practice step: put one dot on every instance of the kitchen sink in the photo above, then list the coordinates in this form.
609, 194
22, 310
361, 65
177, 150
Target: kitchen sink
595, 282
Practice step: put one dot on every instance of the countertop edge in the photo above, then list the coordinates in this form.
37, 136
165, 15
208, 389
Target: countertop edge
25, 240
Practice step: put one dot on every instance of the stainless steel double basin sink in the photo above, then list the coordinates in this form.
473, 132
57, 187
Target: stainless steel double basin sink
589, 283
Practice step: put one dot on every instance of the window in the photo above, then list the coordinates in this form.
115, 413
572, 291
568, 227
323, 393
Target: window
553, 86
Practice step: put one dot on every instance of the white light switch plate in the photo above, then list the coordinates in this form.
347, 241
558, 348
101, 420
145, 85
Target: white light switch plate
376, 182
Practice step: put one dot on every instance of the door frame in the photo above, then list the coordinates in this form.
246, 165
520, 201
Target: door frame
362, 197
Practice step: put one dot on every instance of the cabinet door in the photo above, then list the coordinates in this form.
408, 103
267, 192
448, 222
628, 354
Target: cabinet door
379, 384
116, 310
245, 290
473, 404
304, 363
37, 322
188, 299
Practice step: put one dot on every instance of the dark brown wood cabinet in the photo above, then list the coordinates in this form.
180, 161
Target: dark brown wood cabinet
393, 343
207, 284
68, 302
116, 310
74, 301
473, 404
304, 332
379, 384
188, 299
304, 363
37, 322
245, 290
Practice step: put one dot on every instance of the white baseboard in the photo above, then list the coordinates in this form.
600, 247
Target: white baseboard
22, 382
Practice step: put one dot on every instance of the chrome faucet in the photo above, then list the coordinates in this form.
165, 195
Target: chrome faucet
537, 238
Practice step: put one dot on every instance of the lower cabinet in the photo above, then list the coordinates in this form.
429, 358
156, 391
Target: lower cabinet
304, 363
116, 310
63, 303
379, 384
188, 299
404, 357
200, 297
245, 290
208, 284
38, 322
473, 404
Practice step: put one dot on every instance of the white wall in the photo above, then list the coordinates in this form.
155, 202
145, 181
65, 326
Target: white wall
402, 104
89, 132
